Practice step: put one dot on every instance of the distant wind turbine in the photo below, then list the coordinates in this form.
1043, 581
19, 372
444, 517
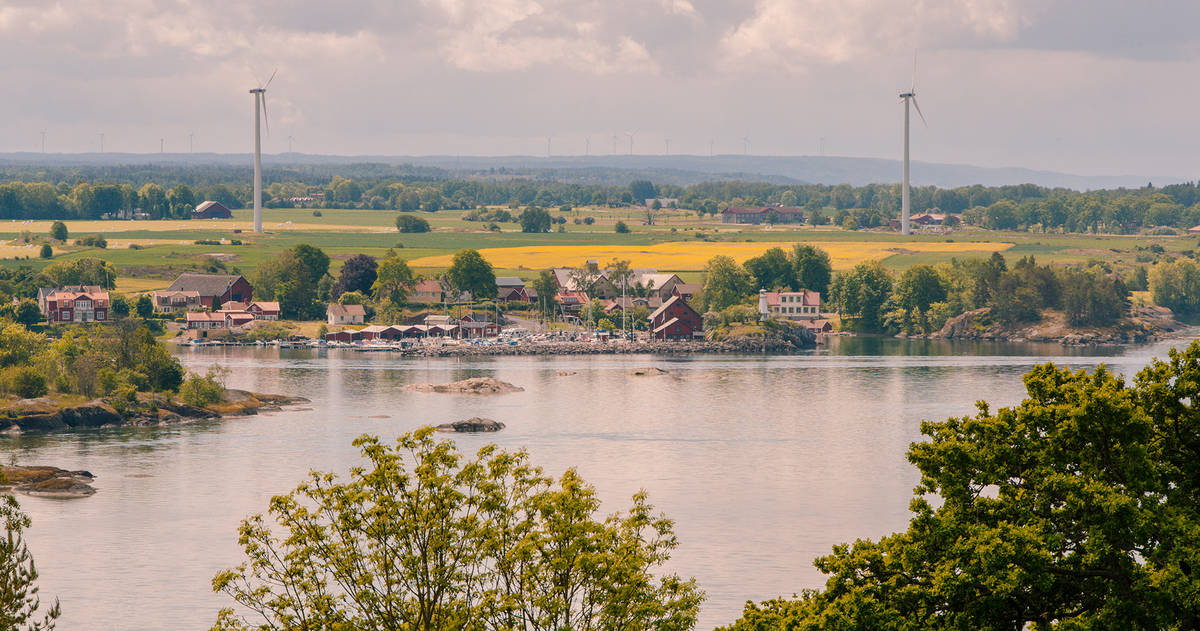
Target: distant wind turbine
101, 142
587, 145
260, 107
668, 146
911, 95
43, 141
191, 135
710, 147
290, 139
162, 143
614, 144
630, 134
548, 146
745, 145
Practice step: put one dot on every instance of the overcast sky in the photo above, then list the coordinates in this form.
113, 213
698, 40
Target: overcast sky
1083, 86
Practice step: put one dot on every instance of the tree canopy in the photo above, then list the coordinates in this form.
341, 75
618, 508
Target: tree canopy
1078, 508
422, 538
469, 271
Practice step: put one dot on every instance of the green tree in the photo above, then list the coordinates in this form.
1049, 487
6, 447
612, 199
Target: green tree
621, 228
287, 280
393, 281
411, 223
546, 287
860, 295
27, 313
1176, 286
19, 600
315, 261
144, 307
81, 271
154, 201
1079, 508
423, 538
469, 271
772, 270
46, 251
918, 288
725, 283
119, 305
58, 231
813, 269
535, 219
641, 190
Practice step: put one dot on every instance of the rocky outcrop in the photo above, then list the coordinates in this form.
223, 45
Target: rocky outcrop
472, 425
44, 415
474, 385
46, 481
1143, 324
648, 372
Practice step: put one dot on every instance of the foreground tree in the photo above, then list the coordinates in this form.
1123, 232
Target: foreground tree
19, 601
394, 279
358, 274
1077, 509
422, 538
725, 283
813, 268
860, 295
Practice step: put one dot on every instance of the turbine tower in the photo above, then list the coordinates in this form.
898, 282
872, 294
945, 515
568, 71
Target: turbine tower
907, 97
260, 108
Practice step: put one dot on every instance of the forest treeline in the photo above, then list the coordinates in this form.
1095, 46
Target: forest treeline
171, 192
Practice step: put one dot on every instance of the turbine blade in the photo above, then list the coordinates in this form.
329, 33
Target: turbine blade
267, 119
913, 89
272, 78
914, 100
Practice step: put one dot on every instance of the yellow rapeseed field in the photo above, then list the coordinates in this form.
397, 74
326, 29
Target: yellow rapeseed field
683, 256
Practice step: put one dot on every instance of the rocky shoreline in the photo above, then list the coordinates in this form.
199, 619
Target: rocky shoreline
45, 415
1144, 324
46, 482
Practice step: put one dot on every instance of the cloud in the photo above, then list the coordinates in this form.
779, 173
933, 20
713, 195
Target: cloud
799, 34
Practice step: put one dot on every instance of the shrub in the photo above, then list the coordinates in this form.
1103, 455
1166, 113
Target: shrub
47, 251
25, 382
410, 223
621, 228
316, 213
200, 391
589, 220
58, 231
92, 241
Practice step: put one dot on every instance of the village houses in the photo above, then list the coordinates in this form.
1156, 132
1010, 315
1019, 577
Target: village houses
78, 303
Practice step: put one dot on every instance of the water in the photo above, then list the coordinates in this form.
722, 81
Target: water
764, 462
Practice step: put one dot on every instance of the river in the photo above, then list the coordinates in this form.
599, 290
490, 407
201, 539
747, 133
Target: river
763, 462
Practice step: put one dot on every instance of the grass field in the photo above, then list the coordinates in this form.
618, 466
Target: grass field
679, 242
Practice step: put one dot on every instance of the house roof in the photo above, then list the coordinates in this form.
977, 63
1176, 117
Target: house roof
91, 292
335, 309
209, 204
374, 328
509, 281
659, 279
689, 289
666, 304
666, 324
429, 286
204, 284
167, 294
265, 306
204, 316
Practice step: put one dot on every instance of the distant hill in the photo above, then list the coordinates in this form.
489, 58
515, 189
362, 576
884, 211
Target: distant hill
675, 169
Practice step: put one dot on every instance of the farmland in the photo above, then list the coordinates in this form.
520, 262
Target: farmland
150, 253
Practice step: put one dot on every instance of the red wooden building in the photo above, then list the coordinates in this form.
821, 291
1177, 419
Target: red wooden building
676, 320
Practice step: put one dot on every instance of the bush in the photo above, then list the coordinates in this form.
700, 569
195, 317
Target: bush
201, 391
621, 228
316, 213
47, 251
92, 241
589, 220
58, 231
25, 382
410, 223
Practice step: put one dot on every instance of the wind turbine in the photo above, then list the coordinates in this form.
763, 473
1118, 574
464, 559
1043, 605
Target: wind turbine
911, 95
745, 145
260, 107
630, 134
614, 144
587, 145
668, 146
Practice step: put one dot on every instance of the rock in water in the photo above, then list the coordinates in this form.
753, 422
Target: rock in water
47, 481
648, 372
472, 425
475, 385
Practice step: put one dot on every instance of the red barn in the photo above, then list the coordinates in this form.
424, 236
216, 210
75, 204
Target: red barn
676, 320
214, 289
211, 210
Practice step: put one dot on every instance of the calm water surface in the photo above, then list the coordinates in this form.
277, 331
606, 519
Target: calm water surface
764, 462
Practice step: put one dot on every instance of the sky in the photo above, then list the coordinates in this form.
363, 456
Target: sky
1081, 86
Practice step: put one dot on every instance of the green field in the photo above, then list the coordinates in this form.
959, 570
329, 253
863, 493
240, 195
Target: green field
166, 247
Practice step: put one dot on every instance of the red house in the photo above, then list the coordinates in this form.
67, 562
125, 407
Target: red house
214, 289
512, 289
676, 320
82, 303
